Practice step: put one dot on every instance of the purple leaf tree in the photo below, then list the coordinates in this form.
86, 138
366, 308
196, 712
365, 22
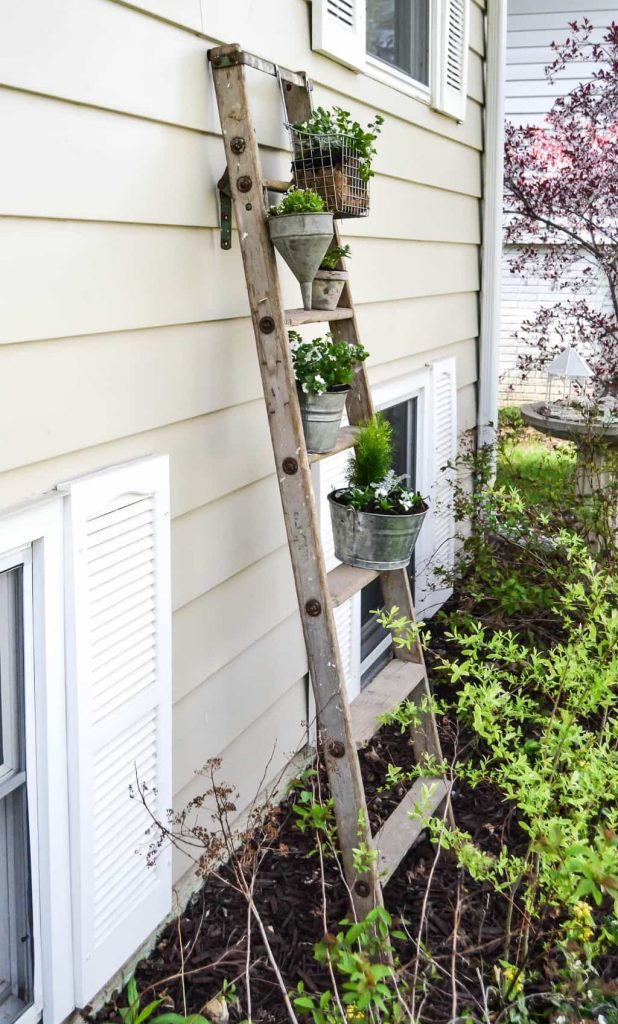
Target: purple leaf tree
561, 207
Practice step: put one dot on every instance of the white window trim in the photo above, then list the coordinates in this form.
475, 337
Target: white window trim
382, 72
21, 558
34, 533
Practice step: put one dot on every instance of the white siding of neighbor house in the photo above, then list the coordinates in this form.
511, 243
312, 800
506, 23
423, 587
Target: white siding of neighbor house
532, 26
124, 327
520, 299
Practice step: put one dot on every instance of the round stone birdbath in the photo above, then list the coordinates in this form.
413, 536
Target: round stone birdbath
590, 437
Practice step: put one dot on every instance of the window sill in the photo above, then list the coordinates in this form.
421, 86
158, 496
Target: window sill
396, 79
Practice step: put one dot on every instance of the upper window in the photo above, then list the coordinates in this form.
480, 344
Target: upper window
398, 35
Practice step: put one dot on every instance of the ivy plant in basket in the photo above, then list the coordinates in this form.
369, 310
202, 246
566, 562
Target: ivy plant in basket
376, 520
301, 231
328, 282
333, 155
323, 369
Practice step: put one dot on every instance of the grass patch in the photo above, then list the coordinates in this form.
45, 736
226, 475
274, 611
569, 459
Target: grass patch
542, 470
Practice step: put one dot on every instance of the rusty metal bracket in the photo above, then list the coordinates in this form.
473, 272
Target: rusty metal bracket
225, 210
231, 56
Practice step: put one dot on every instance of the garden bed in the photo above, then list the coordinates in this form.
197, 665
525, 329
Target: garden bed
289, 895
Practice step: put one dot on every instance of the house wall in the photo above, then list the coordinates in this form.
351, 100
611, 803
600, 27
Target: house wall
532, 26
125, 330
520, 299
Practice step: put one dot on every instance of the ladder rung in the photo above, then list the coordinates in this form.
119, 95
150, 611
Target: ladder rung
296, 317
277, 186
399, 832
346, 439
346, 580
392, 685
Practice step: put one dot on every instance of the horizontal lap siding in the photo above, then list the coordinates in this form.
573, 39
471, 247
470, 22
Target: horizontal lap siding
531, 28
131, 328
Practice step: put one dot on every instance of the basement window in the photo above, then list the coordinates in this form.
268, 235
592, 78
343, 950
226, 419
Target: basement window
16, 940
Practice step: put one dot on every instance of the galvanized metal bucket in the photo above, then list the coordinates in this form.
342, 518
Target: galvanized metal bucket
321, 416
302, 239
327, 288
373, 540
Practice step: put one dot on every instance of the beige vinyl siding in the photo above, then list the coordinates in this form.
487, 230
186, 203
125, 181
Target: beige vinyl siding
124, 327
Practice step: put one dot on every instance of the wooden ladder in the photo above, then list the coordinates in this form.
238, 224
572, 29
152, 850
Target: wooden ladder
342, 728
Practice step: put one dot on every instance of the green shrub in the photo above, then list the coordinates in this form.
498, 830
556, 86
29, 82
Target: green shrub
373, 484
338, 252
373, 453
298, 200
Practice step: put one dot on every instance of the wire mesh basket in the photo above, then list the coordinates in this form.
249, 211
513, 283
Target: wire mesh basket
328, 164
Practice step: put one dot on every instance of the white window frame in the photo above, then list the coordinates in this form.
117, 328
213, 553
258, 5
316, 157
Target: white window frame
387, 74
21, 558
32, 536
382, 72
338, 32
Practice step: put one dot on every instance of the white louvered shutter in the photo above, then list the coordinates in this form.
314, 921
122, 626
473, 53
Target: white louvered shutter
331, 473
439, 542
119, 708
338, 31
450, 57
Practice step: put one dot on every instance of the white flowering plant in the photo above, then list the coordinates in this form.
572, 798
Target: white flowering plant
323, 364
386, 495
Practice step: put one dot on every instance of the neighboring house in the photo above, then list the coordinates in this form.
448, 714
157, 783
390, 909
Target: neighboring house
532, 27
134, 435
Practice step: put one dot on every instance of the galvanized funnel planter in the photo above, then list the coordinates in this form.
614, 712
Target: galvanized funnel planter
327, 288
302, 239
372, 540
321, 416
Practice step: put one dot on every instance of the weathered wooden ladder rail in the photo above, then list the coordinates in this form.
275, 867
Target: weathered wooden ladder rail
342, 727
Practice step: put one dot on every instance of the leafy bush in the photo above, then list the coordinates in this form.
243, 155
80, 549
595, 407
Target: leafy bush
365, 987
298, 200
546, 723
338, 252
339, 122
323, 364
134, 1013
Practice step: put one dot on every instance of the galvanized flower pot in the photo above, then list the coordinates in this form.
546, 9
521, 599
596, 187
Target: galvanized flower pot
302, 239
321, 416
327, 288
373, 540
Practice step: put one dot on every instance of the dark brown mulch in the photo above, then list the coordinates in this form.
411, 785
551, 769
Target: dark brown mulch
289, 896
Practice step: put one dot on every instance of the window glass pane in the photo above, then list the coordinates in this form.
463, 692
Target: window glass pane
398, 34
16, 945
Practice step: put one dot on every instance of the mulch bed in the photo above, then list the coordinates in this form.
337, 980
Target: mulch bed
289, 897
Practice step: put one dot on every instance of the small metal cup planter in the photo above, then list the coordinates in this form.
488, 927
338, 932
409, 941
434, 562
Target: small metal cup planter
374, 540
321, 416
302, 239
326, 163
327, 288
